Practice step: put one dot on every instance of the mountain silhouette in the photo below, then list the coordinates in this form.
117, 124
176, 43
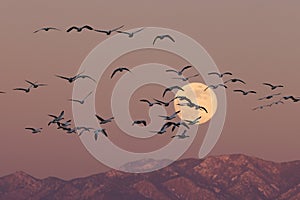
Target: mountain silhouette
226, 177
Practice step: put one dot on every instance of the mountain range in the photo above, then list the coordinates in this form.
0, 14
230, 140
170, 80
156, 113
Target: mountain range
225, 177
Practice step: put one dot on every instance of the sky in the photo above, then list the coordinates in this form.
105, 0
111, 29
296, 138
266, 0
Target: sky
255, 40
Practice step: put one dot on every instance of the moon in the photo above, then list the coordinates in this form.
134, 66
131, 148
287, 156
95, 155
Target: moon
195, 92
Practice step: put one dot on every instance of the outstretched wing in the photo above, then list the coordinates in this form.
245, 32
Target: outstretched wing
216, 73
168, 36
104, 132
114, 72
268, 84
240, 91
115, 29
240, 81
99, 118
157, 37
71, 28
87, 27
171, 70
186, 67
63, 77
32, 129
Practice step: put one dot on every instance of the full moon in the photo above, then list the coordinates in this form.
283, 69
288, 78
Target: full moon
195, 92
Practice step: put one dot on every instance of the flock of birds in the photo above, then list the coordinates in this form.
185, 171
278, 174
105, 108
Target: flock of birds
58, 120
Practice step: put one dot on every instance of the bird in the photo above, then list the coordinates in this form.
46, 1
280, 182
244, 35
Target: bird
180, 72
164, 128
171, 116
161, 37
100, 130
70, 130
1, 92
182, 135
269, 96
169, 89
233, 80
79, 29
220, 75
130, 34
275, 103
46, 29
166, 104
56, 118
35, 84
27, 90
139, 122
192, 122
108, 32
177, 124
120, 69
184, 98
83, 129
245, 92
259, 107
149, 103
104, 121
198, 107
63, 124
215, 86
273, 87
81, 101
292, 98
186, 78
35, 130
74, 78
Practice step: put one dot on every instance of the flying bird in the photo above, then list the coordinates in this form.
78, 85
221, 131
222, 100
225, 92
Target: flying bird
81, 101
184, 98
192, 122
166, 104
83, 129
70, 130
27, 90
292, 98
169, 89
182, 135
177, 124
35, 84
233, 80
130, 34
104, 121
245, 92
220, 75
46, 29
186, 78
2, 92
161, 37
35, 130
100, 130
273, 87
171, 116
74, 78
139, 122
149, 103
108, 32
269, 96
164, 128
63, 124
79, 29
56, 118
120, 69
179, 73
215, 86
259, 107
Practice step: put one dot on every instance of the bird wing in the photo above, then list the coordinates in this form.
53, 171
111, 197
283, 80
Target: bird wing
165, 91
99, 118
144, 123
87, 96
96, 136
75, 100
101, 31
32, 129
216, 73
174, 136
115, 29
86, 76
71, 28
185, 125
240, 91
63, 77
115, 71
38, 30
176, 87
157, 37
145, 100
87, 27
186, 67
194, 76
168, 36
104, 132
174, 114
138, 30
159, 101
124, 68
61, 114
252, 91
23, 89
171, 70
240, 80
227, 73
268, 84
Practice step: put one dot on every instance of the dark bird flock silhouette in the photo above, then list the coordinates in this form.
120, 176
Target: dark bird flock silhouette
184, 101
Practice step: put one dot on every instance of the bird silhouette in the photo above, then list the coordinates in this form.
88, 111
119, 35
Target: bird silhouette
56, 118
186, 78
150, 103
269, 96
294, 99
79, 29
139, 122
1, 92
104, 121
100, 130
81, 101
161, 37
273, 87
180, 72
259, 107
120, 69
215, 86
192, 122
245, 92
182, 135
108, 32
35, 130
27, 90
169, 89
220, 75
171, 116
35, 84
46, 29
74, 78
130, 34
234, 80
166, 104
